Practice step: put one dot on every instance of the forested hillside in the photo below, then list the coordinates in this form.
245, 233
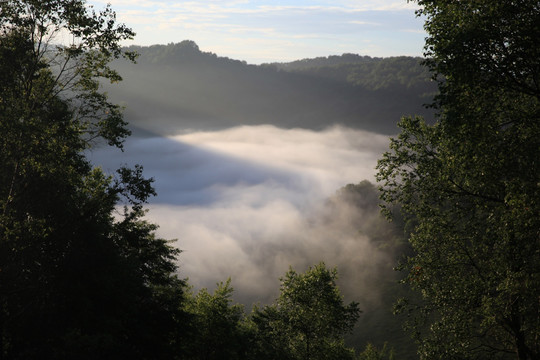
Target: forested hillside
397, 74
176, 87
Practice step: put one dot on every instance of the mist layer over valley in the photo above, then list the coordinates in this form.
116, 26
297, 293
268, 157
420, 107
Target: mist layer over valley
251, 165
248, 202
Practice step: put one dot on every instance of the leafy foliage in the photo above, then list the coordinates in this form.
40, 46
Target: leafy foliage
75, 67
76, 279
372, 353
469, 184
308, 320
219, 331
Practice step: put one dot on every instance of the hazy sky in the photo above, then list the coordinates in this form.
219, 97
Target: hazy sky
260, 31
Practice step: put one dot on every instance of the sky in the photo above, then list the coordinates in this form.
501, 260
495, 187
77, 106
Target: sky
262, 31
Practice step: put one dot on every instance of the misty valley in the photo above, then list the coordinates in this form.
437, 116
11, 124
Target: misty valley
251, 165
163, 202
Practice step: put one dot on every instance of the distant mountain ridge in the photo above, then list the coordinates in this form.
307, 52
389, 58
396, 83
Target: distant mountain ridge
176, 87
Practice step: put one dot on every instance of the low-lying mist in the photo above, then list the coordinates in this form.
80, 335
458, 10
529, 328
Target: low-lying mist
249, 202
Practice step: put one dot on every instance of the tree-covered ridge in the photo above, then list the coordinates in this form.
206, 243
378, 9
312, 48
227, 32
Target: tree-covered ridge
325, 61
187, 88
186, 51
371, 73
401, 73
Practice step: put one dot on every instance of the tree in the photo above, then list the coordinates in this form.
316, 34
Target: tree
77, 280
372, 353
75, 66
309, 318
469, 184
218, 325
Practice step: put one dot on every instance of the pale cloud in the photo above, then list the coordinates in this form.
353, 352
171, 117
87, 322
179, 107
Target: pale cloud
379, 5
228, 28
358, 22
247, 7
415, 31
128, 3
247, 202
251, 30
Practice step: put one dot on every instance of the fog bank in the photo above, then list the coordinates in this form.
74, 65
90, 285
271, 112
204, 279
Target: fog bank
247, 202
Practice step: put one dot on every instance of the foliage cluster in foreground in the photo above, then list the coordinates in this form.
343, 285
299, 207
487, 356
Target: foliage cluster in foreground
469, 185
